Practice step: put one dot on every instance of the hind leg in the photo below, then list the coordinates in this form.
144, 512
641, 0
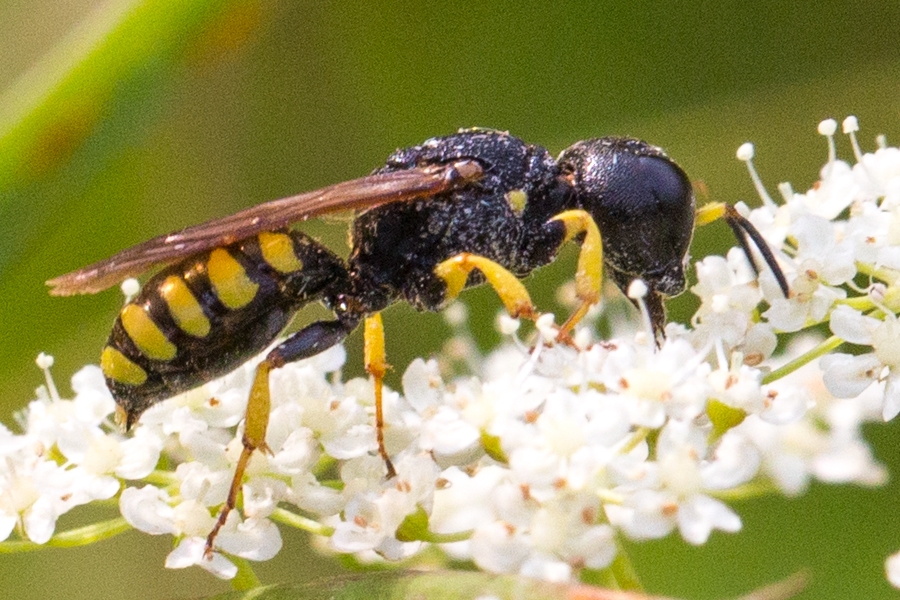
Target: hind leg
377, 366
307, 342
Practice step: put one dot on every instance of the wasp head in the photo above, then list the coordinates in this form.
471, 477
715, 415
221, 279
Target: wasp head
644, 206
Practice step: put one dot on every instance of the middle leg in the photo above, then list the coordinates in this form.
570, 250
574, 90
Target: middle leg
589, 274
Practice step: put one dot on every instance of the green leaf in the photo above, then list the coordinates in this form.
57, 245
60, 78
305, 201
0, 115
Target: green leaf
414, 526
461, 585
723, 418
69, 129
434, 585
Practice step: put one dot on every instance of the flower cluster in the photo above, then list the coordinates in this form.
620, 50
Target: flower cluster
540, 457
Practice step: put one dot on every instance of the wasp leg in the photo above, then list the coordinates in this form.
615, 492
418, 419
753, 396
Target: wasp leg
589, 274
305, 343
455, 271
377, 366
743, 229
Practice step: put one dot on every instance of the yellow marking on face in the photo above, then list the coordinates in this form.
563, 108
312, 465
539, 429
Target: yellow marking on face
517, 200
184, 307
230, 280
146, 334
278, 250
119, 368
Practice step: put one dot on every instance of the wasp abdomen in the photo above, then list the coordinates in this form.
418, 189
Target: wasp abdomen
202, 318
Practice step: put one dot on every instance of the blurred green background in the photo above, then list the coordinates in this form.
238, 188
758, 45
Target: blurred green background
188, 110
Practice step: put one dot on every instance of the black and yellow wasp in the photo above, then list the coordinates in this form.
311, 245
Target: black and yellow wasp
452, 212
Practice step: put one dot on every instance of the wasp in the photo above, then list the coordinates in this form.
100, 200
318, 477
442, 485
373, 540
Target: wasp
473, 207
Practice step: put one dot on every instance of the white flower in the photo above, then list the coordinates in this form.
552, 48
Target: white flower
826, 444
147, 509
835, 191
877, 173
500, 548
728, 294
676, 490
465, 502
190, 551
892, 569
847, 376
822, 263
373, 514
656, 384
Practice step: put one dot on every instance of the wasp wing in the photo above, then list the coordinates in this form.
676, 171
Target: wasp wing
365, 192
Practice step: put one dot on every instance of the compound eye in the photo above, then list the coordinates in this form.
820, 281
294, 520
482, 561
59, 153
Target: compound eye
627, 177
661, 180
632, 170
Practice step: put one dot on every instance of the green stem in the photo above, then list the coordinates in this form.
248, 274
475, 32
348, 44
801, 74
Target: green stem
640, 434
294, 520
754, 489
889, 276
820, 350
446, 538
246, 578
72, 538
620, 575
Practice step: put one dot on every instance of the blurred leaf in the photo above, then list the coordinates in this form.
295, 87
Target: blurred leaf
113, 58
81, 94
460, 585
412, 585
70, 130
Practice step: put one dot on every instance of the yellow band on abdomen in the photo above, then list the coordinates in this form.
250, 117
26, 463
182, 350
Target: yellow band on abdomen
119, 368
146, 334
278, 250
184, 307
229, 279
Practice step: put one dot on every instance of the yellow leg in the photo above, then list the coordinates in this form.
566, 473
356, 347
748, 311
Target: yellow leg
255, 423
454, 271
589, 275
377, 366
